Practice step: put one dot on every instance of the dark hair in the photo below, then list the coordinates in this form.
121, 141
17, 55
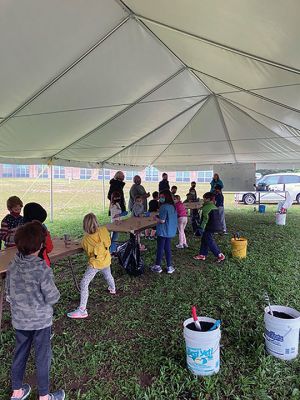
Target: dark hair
155, 194
30, 237
13, 201
164, 174
115, 195
168, 196
138, 197
218, 177
218, 187
193, 182
174, 187
34, 212
209, 196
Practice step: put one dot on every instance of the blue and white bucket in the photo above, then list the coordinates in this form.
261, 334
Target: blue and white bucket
282, 334
202, 348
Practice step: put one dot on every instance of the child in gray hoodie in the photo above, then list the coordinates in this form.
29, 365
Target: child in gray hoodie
31, 292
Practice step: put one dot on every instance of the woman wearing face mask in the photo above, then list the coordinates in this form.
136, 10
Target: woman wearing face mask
165, 230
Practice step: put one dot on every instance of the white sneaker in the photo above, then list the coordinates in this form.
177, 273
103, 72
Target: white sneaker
170, 269
179, 246
156, 268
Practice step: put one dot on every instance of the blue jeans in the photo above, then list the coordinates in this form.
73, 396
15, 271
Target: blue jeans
208, 243
42, 348
163, 246
114, 242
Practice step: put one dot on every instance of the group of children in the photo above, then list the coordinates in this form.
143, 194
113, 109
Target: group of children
30, 286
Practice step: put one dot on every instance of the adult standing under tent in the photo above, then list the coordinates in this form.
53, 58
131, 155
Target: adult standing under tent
193, 187
117, 185
216, 181
137, 189
164, 183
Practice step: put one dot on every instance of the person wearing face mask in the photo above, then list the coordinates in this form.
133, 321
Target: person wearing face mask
193, 189
165, 230
117, 185
115, 215
11, 221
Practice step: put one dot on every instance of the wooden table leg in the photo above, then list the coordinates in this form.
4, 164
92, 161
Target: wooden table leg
73, 274
2, 297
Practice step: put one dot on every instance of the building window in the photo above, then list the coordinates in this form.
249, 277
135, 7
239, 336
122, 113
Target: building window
8, 171
130, 174
85, 173
182, 176
204, 176
22, 171
151, 174
106, 174
59, 172
42, 171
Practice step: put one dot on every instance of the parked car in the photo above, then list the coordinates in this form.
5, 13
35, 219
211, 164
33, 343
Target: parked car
271, 189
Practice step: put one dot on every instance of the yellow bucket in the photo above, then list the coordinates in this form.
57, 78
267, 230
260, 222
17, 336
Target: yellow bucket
239, 247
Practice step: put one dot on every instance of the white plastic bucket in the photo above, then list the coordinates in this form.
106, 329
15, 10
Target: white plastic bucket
202, 348
282, 335
280, 219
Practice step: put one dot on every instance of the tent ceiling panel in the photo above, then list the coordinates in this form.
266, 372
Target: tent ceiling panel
84, 85
38, 39
46, 134
126, 65
205, 127
185, 85
215, 85
134, 125
262, 143
259, 27
230, 67
153, 145
271, 110
284, 131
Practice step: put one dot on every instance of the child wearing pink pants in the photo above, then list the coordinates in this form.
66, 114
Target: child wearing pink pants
182, 221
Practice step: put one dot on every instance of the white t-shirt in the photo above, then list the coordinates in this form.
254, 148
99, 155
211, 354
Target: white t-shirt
115, 211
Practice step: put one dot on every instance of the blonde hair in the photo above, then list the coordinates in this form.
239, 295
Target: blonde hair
90, 223
119, 175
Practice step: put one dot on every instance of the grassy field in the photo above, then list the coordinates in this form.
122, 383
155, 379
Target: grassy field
131, 346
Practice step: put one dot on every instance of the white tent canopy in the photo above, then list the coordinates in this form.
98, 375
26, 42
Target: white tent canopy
171, 83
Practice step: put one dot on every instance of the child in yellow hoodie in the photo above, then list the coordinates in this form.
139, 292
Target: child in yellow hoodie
96, 244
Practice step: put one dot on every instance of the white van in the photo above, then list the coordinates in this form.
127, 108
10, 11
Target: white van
271, 189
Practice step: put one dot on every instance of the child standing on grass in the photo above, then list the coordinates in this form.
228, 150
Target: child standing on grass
96, 243
115, 215
35, 212
210, 223
220, 204
32, 293
153, 207
138, 207
11, 221
182, 221
166, 230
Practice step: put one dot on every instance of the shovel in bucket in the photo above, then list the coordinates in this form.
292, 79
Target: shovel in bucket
195, 318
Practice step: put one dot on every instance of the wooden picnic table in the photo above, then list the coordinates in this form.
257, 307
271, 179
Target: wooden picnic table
193, 205
133, 224
60, 251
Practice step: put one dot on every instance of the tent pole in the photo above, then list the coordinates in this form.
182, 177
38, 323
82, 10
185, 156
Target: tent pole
51, 193
103, 190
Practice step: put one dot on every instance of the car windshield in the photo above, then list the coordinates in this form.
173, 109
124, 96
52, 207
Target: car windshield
269, 180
